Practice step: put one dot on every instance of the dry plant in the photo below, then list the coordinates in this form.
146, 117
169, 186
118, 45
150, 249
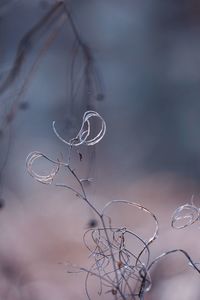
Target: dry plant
121, 270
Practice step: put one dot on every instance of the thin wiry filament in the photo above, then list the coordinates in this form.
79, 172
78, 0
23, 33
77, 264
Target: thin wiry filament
133, 278
83, 136
139, 206
184, 216
46, 179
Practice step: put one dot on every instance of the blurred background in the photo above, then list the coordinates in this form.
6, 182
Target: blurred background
136, 63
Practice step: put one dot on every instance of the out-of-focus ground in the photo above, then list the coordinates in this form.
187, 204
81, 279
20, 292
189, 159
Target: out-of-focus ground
148, 59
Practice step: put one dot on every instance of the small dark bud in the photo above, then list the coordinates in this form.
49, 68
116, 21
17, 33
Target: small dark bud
114, 292
24, 105
92, 223
80, 156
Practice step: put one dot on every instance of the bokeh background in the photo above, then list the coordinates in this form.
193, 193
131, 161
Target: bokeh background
140, 71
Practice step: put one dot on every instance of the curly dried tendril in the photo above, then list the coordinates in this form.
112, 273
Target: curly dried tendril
121, 260
134, 204
121, 270
85, 131
46, 179
184, 216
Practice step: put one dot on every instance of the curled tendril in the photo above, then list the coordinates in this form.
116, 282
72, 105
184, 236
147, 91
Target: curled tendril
46, 179
131, 272
184, 216
85, 131
111, 255
163, 255
139, 206
121, 270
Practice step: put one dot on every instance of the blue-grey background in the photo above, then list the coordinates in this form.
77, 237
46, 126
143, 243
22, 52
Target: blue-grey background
147, 55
